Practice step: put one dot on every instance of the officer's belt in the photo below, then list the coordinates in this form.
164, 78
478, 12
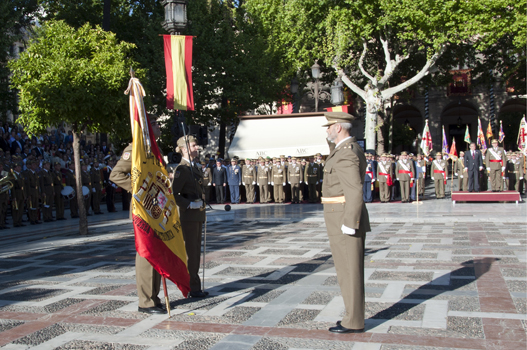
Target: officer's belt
312, 175
333, 200
514, 172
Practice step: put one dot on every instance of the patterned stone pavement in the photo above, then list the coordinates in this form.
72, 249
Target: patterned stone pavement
437, 277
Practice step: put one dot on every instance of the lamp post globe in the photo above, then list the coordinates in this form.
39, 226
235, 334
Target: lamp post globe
175, 16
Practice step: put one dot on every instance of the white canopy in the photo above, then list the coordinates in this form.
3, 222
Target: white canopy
299, 135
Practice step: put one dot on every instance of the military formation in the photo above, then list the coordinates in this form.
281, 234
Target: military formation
42, 191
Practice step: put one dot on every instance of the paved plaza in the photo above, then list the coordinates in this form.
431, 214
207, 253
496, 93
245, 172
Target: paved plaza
438, 276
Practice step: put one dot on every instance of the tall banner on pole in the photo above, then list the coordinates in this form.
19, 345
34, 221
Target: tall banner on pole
522, 136
445, 143
426, 141
157, 229
467, 136
178, 65
481, 138
502, 134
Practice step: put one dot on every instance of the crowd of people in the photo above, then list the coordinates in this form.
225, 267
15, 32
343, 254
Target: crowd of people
39, 179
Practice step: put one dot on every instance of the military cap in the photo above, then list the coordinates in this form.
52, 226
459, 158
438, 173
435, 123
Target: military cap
438, 154
219, 160
337, 117
494, 141
275, 158
282, 156
293, 158
46, 162
56, 163
233, 160
318, 155
304, 160
403, 153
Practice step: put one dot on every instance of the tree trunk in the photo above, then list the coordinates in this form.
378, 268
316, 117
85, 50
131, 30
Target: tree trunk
83, 220
369, 131
380, 135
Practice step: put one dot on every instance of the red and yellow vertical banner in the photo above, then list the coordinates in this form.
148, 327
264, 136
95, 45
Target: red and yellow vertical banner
178, 64
157, 229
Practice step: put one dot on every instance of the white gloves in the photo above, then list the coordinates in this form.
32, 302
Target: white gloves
480, 168
289, 182
300, 182
243, 183
488, 169
254, 182
209, 184
347, 231
272, 183
423, 168
195, 205
397, 179
268, 183
284, 184
521, 177
455, 174
502, 168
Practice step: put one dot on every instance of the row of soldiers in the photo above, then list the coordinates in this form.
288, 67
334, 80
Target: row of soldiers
40, 189
278, 179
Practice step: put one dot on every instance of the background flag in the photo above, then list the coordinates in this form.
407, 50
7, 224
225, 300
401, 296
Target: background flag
522, 136
453, 150
178, 64
502, 134
426, 141
481, 138
490, 135
157, 229
445, 142
467, 136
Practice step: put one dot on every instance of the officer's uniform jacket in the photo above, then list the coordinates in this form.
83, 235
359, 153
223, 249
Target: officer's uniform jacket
371, 172
344, 176
402, 168
46, 186
279, 174
188, 186
264, 175
96, 180
312, 173
248, 174
57, 181
32, 187
294, 174
207, 176
86, 180
514, 169
234, 175
18, 192
383, 170
496, 158
439, 169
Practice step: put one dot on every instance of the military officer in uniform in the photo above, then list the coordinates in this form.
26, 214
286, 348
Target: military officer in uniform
278, 180
110, 187
70, 181
96, 183
57, 188
249, 180
189, 193
369, 179
514, 172
46, 186
263, 180
440, 175
405, 171
496, 161
207, 180
295, 177
234, 179
33, 192
384, 177
346, 217
312, 178
421, 174
460, 172
148, 280
18, 196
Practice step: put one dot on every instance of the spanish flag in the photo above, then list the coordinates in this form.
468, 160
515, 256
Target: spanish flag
178, 64
157, 229
344, 109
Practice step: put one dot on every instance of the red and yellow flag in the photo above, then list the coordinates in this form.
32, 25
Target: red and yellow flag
344, 109
157, 229
178, 64
489, 131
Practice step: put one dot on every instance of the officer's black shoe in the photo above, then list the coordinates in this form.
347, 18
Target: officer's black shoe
198, 294
341, 329
74, 216
61, 219
152, 310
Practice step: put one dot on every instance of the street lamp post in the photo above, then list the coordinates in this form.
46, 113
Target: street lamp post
336, 97
175, 16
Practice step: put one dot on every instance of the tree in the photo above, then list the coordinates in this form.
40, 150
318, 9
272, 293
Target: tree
15, 17
73, 76
367, 42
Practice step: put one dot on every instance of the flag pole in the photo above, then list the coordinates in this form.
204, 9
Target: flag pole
167, 301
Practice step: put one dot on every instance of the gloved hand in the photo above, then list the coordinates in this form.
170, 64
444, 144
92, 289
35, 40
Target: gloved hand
254, 182
93, 190
488, 169
321, 180
272, 183
502, 168
284, 184
521, 177
455, 174
289, 182
268, 183
195, 205
347, 231
243, 183
300, 182
397, 179
209, 184
318, 182
114, 186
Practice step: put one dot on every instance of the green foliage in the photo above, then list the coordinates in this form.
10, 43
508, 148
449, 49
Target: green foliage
15, 15
403, 135
72, 76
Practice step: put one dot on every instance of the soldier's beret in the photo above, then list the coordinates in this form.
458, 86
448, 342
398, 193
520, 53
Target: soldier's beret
268, 158
337, 117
